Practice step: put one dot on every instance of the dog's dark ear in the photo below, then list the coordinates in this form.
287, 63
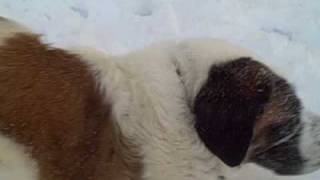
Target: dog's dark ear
227, 106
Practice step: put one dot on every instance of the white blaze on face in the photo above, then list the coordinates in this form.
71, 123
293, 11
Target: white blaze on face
15, 162
310, 141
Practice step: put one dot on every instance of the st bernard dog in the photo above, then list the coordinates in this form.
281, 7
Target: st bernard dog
173, 111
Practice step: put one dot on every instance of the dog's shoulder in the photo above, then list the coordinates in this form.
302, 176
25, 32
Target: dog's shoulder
55, 119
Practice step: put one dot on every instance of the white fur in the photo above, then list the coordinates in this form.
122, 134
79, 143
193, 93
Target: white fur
196, 56
149, 103
310, 141
150, 106
15, 163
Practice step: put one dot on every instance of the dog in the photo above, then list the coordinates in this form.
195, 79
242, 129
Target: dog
188, 110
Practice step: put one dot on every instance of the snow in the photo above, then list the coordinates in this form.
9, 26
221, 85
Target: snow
285, 33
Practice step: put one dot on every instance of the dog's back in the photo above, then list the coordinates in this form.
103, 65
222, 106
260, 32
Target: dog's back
54, 124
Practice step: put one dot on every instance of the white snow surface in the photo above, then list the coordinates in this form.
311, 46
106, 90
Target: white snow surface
285, 33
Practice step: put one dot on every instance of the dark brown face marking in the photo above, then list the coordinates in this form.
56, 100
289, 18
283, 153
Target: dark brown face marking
49, 103
277, 132
227, 106
242, 103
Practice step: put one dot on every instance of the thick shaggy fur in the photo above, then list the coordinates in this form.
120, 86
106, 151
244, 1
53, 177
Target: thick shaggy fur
124, 117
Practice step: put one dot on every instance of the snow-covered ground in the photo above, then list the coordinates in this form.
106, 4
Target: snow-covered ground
286, 33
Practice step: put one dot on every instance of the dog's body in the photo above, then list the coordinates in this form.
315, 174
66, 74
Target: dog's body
80, 114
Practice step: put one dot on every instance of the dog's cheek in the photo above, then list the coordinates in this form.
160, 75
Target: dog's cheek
309, 144
277, 148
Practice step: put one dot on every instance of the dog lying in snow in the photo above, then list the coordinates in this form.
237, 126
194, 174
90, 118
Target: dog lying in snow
178, 111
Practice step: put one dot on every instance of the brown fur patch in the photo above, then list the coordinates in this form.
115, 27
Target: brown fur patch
283, 106
48, 103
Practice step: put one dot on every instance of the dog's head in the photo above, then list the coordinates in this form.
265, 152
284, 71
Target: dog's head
247, 113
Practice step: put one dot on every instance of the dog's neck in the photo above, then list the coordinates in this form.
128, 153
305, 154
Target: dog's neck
149, 104
195, 58
149, 90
